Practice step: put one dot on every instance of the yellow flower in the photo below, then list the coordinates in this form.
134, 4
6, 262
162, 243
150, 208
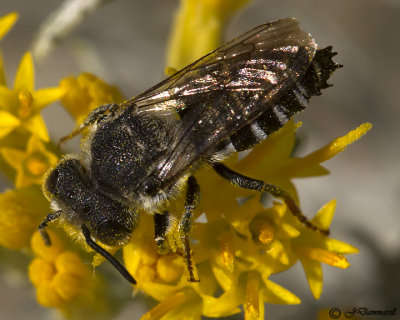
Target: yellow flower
20, 107
21, 211
240, 245
62, 280
57, 274
30, 164
85, 93
313, 248
198, 29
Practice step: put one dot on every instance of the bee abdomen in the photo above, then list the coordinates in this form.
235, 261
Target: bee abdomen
292, 101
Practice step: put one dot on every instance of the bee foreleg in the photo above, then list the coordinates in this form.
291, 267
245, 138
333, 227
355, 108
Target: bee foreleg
245, 182
117, 265
42, 227
97, 115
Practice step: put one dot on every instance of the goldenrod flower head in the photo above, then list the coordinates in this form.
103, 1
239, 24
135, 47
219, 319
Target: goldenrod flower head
59, 275
30, 164
21, 211
85, 93
20, 106
240, 243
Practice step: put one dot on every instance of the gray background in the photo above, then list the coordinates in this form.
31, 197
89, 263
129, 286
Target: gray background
130, 38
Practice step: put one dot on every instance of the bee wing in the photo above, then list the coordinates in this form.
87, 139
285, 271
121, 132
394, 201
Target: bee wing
226, 89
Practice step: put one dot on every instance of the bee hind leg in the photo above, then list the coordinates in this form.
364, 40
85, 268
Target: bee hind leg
245, 182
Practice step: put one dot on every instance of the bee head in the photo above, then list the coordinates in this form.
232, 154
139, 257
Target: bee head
111, 222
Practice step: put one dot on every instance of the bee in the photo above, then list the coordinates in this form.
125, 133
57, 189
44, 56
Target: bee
143, 152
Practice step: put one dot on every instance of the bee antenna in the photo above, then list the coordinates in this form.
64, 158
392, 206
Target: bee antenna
117, 265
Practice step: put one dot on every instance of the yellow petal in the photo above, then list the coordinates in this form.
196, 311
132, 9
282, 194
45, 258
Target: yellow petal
24, 79
37, 127
310, 164
227, 251
224, 277
337, 145
341, 143
7, 123
278, 252
266, 156
166, 306
225, 305
288, 231
274, 293
44, 97
3, 80
322, 255
13, 157
313, 271
8, 99
324, 216
340, 246
253, 305
6, 23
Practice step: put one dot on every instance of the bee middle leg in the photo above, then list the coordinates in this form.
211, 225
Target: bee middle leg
258, 185
162, 223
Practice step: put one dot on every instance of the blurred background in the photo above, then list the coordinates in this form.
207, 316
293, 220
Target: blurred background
124, 42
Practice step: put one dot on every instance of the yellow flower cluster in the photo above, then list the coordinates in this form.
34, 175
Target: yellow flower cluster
238, 246
85, 93
58, 274
238, 242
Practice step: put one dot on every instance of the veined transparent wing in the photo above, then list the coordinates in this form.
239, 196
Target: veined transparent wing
223, 91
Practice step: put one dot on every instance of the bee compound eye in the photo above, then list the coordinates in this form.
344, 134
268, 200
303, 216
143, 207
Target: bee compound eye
111, 232
51, 181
